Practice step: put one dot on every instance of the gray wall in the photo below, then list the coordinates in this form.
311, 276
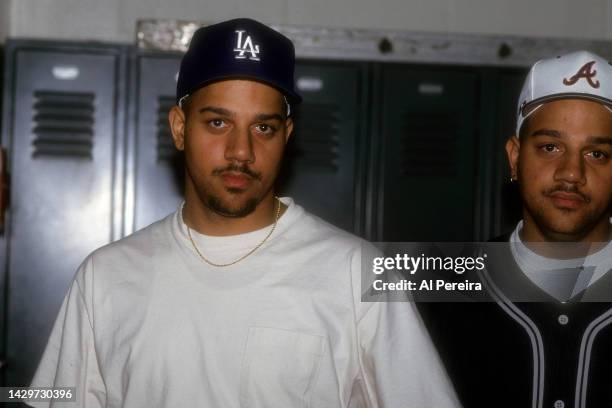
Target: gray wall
114, 20
4, 18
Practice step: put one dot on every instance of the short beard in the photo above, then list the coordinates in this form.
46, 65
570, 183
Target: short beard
546, 224
215, 204
552, 233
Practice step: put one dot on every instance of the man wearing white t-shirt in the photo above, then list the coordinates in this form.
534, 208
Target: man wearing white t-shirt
239, 298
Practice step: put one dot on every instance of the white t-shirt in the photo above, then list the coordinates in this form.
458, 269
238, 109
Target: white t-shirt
147, 323
560, 278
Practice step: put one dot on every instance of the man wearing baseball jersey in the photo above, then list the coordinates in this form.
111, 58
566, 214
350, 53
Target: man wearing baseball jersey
544, 338
239, 298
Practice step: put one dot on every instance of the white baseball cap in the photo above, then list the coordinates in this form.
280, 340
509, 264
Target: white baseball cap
580, 74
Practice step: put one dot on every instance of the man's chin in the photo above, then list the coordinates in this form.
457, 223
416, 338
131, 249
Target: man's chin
235, 206
568, 229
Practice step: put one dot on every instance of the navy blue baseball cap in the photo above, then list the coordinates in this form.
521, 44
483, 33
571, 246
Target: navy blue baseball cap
240, 48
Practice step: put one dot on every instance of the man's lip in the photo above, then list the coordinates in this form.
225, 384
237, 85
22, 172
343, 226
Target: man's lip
563, 199
235, 179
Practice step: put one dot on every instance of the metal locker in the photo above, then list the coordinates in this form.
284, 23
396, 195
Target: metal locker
506, 199
157, 173
62, 126
321, 170
427, 139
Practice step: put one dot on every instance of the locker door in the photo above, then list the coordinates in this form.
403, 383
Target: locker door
428, 141
323, 168
507, 202
63, 132
158, 187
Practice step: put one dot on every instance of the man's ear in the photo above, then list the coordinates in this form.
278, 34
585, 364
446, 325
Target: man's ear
288, 129
176, 117
513, 147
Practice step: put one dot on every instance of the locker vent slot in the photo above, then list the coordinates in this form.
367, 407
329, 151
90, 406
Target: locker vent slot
429, 145
63, 124
315, 139
165, 146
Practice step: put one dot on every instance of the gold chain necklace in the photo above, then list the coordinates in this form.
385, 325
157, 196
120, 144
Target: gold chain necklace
278, 210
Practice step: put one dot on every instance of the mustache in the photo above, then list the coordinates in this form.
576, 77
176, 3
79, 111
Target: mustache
567, 188
237, 168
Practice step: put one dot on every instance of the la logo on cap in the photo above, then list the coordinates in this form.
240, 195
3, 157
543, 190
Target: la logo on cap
245, 47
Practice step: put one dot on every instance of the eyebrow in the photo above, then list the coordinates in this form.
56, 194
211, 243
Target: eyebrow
557, 134
599, 140
227, 112
269, 116
545, 132
219, 111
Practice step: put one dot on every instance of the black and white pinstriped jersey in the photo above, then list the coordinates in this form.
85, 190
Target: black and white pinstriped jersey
536, 354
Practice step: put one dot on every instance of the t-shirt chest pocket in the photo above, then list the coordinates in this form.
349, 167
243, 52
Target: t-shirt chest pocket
279, 368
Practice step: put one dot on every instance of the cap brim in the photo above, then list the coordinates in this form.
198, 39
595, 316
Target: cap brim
293, 97
528, 108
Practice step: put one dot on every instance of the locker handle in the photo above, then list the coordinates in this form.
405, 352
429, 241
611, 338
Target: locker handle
309, 84
431, 89
65, 72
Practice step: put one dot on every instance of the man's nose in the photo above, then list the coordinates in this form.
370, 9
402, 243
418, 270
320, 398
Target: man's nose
239, 146
571, 169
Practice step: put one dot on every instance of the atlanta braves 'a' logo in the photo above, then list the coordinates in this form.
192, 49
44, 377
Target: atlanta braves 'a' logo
245, 47
587, 72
